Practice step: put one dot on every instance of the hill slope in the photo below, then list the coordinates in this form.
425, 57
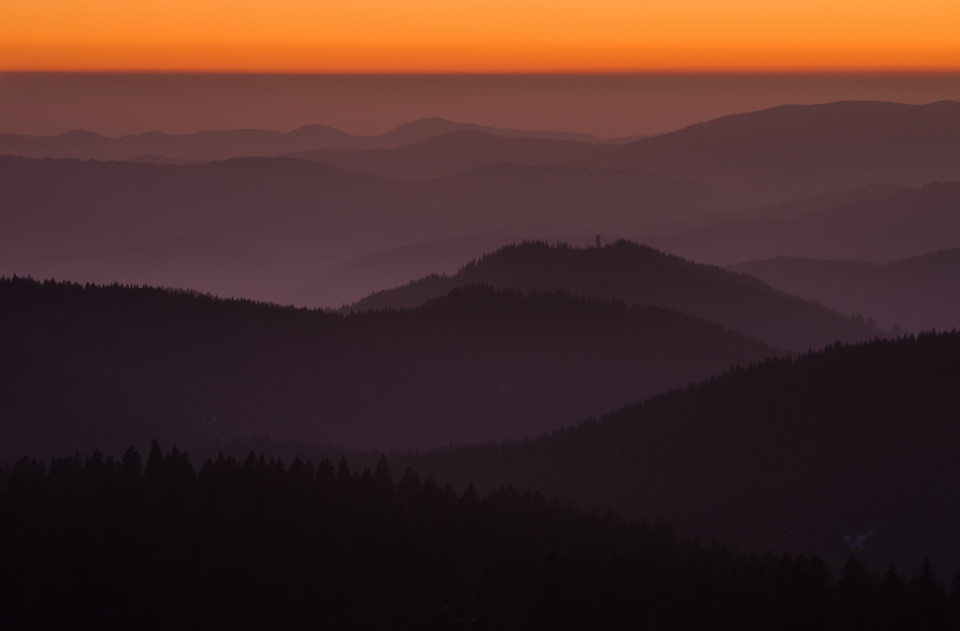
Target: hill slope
359, 277
796, 151
878, 225
789, 454
919, 293
107, 366
641, 275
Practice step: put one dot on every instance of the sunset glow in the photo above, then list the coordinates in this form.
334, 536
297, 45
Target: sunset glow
475, 36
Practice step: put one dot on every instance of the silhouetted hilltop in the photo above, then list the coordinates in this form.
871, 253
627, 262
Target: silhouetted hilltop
918, 293
96, 365
790, 454
641, 275
793, 151
879, 224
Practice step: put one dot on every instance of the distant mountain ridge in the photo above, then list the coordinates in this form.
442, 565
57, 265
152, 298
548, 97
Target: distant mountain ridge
772, 155
641, 275
917, 294
457, 151
795, 151
878, 224
219, 145
321, 216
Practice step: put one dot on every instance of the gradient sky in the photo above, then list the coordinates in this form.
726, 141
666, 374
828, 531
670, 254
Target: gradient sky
478, 35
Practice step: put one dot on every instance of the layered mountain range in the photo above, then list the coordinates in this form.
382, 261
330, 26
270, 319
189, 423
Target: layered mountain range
545, 310
847, 180
785, 152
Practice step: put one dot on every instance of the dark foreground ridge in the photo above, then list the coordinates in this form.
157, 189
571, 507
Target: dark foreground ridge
853, 446
93, 542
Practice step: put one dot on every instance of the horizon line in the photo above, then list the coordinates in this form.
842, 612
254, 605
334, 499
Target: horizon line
482, 127
681, 71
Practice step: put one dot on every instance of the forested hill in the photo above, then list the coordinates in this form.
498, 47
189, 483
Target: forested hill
85, 365
98, 542
641, 275
852, 441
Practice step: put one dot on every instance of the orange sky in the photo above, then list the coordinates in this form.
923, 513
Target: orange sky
479, 35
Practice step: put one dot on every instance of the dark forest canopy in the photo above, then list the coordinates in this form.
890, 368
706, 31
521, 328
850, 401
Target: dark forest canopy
86, 365
788, 454
791, 454
98, 542
639, 274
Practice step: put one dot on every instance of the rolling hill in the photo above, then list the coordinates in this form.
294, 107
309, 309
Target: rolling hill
641, 275
851, 448
876, 224
917, 294
795, 151
91, 366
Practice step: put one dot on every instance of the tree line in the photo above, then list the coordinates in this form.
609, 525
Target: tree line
97, 542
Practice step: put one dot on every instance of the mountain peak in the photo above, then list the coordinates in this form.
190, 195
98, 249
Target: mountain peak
641, 275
